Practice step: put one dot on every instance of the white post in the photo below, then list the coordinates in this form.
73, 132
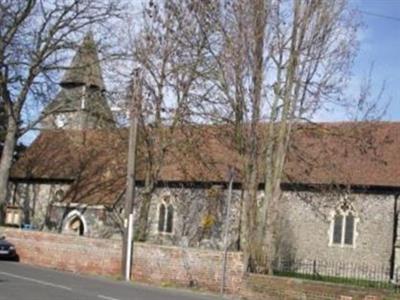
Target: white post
226, 231
130, 178
129, 249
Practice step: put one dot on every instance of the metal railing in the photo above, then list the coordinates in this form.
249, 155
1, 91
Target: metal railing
359, 274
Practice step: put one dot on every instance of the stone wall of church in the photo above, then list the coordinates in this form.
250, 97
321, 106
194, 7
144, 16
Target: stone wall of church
42, 210
397, 242
199, 217
96, 221
306, 228
35, 200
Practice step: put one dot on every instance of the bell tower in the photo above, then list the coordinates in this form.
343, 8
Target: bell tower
81, 102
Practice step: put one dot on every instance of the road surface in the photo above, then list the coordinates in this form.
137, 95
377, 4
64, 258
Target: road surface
22, 282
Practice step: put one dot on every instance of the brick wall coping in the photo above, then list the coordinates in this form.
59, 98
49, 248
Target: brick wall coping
114, 242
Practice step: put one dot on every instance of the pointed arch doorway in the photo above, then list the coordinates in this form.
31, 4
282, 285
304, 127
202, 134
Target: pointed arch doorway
75, 224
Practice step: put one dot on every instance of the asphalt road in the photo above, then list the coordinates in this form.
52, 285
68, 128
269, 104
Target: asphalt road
22, 282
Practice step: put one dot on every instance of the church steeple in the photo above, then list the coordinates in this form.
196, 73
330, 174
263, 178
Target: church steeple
81, 102
85, 67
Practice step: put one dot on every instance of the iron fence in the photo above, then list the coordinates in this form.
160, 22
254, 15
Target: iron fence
359, 274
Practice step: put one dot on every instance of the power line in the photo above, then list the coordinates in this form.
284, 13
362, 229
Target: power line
397, 19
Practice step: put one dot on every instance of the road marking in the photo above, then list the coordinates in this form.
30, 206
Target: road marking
37, 281
106, 298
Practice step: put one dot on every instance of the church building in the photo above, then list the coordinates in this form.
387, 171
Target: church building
341, 184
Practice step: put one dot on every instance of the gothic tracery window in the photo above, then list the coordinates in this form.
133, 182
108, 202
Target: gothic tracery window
165, 216
343, 227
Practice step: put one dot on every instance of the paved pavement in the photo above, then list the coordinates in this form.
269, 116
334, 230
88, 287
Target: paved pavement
22, 282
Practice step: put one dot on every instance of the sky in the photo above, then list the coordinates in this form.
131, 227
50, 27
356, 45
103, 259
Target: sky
380, 45
379, 39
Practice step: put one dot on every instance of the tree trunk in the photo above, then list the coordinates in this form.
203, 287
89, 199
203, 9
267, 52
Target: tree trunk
6, 161
270, 234
142, 230
253, 243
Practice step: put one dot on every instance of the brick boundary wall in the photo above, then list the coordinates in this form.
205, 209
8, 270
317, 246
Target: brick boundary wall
187, 267
164, 265
262, 287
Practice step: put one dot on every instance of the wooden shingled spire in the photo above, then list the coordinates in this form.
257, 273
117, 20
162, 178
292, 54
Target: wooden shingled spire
85, 67
81, 102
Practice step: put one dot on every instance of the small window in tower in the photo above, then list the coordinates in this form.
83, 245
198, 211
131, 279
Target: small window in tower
61, 120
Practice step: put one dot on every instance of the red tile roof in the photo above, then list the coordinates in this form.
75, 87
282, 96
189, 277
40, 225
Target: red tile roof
362, 154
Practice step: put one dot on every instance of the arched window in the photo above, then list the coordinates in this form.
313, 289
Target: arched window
343, 226
75, 226
165, 216
161, 217
170, 219
75, 223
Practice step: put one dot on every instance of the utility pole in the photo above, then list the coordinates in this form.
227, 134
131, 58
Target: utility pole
127, 247
231, 177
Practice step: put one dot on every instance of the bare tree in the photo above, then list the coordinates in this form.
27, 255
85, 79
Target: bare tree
244, 62
35, 37
315, 56
171, 54
279, 62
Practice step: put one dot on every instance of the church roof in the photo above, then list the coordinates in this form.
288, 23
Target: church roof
83, 79
85, 66
70, 100
355, 154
